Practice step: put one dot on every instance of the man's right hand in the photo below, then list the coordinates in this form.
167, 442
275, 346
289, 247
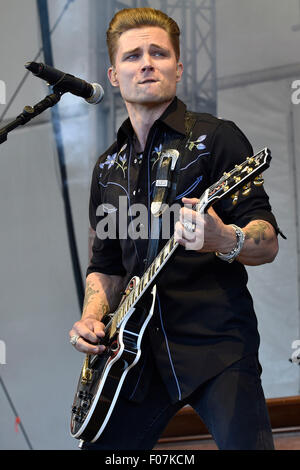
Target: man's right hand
90, 332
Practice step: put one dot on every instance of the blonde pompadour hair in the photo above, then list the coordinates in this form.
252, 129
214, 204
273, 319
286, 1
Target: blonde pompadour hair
130, 18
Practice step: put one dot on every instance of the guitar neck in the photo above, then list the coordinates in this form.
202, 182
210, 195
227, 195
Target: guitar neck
146, 280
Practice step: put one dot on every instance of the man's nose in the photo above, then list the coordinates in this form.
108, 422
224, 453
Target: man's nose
147, 63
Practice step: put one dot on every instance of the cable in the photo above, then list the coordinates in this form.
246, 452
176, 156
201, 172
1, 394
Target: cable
56, 125
16, 414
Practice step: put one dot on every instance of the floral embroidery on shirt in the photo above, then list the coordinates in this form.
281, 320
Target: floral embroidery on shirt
196, 143
115, 159
110, 161
122, 163
157, 152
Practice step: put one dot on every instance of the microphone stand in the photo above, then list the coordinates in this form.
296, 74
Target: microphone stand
29, 113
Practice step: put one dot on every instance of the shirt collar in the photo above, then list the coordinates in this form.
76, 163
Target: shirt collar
172, 117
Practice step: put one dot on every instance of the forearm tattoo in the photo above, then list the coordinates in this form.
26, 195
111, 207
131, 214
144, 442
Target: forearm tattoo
257, 232
89, 298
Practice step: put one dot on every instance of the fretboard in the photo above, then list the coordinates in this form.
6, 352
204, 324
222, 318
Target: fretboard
146, 280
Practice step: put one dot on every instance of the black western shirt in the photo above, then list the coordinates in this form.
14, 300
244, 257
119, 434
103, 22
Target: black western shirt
204, 318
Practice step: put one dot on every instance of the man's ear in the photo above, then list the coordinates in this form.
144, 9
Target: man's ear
112, 76
179, 71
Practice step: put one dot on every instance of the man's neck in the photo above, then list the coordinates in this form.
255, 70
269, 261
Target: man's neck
142, 118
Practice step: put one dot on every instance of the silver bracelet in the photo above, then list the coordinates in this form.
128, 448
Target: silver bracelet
240, 238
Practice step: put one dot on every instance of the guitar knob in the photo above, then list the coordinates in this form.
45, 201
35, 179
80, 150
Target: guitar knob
235, 197
258, 181
247, 189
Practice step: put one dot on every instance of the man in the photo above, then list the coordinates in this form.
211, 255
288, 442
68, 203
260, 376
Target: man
201, 346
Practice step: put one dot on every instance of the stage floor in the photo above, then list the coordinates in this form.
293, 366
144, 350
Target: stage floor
288, 439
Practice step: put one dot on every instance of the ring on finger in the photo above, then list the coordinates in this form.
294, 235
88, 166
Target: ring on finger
74, 339
190, 227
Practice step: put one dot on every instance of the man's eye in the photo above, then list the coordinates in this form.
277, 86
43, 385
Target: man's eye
132, 57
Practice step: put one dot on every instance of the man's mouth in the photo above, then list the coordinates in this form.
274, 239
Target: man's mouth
149, 80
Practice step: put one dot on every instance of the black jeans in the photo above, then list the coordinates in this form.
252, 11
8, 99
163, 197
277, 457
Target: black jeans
232, 406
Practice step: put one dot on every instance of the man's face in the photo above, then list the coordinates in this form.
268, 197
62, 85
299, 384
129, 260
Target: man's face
146, 70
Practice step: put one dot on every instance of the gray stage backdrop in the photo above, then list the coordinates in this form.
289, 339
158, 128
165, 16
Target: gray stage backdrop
257, 63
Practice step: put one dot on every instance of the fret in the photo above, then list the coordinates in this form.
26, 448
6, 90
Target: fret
173, 243
140, 287
121, 311
166, 251
152, 270
130, 299
119, 314
126, 305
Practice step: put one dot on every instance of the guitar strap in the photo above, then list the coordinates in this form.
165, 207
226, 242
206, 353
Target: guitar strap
166, 183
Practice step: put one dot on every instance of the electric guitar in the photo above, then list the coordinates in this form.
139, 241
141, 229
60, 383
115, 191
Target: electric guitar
102, 376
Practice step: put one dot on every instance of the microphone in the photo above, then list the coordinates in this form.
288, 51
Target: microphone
65, 82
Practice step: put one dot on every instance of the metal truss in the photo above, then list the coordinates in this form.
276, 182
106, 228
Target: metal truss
196, 19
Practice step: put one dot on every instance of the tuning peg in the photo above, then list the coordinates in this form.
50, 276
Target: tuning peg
258, 181
235, 197
247, 189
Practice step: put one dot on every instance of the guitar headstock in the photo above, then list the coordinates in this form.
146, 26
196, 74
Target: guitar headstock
240, 178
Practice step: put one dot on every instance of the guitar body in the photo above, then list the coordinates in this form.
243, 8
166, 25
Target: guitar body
102, 376
101, 381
